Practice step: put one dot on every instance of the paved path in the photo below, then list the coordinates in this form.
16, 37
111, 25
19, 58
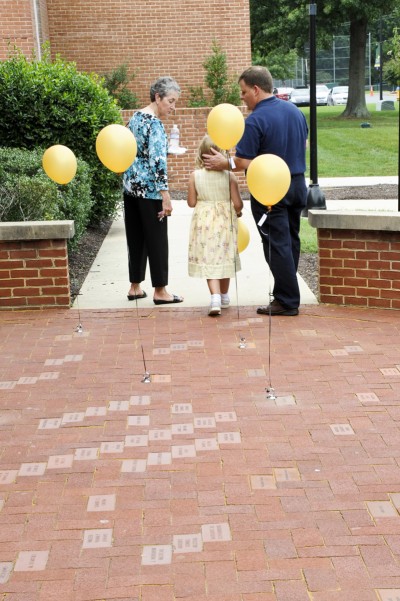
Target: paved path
107, 282
199, 485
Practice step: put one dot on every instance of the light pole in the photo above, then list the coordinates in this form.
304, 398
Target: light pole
315, 196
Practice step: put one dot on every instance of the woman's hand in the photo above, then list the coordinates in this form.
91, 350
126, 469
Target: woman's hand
166, 205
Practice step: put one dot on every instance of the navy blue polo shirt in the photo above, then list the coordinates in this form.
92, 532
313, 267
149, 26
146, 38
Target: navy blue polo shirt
276, 127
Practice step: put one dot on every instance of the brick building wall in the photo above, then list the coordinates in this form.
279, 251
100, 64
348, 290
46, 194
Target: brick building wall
359, 267
24, 24
156, 37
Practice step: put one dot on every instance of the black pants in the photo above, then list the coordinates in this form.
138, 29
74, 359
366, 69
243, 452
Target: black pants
280, 234
147, 238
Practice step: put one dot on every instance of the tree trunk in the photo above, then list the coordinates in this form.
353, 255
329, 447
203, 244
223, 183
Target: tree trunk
356, 104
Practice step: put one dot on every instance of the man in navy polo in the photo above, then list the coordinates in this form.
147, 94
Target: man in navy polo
277, 127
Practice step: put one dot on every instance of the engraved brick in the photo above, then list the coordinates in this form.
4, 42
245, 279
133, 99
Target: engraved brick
72, 418
181, 408
134, 465
159, 459
215, 532
161, 378
340, 352
187, 428
388, 594
138, 420
112, 447
367, 397
225, 416
49, 375
96, 411
31, 561
286, 474
178, 346
204, 422
256, 373
7, 385
229, 437
156, 555
195, 343
49, 423
94, 539
161, 351
27, 380
73, 358
390, 371
353, 349
162, 434
341, 429
86, 454
285, 401
32, 469
206, 444
8, 476
182, 451
140, 400
118, 406
136, 440
101, 503
381, 509
5, 571
53, 362
262, 482
187, 543
60, 461
308, 333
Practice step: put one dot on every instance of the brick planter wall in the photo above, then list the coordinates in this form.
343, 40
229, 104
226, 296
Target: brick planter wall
359, 258
34, 264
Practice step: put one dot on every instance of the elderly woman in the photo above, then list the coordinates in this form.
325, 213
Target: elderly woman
147, 202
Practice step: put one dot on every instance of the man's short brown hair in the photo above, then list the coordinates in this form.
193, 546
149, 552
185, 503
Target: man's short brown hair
258, 76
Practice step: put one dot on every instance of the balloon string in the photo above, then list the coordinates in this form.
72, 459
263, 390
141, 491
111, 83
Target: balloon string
138, 319
270, 297
234, 245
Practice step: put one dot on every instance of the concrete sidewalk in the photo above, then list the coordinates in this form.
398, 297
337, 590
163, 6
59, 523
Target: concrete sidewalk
107, 283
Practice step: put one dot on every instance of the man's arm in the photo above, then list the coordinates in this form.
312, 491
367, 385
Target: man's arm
218, 162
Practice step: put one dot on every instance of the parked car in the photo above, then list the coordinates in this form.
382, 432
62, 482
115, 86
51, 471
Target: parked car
283, 93
322, 92
338, 95
300, 96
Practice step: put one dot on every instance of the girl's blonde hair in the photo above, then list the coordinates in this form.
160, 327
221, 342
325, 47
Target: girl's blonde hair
204, 148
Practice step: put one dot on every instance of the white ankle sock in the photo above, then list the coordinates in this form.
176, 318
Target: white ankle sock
224, 297
216, 299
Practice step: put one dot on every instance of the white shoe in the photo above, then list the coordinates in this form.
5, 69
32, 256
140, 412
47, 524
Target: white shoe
225, 302
215, 308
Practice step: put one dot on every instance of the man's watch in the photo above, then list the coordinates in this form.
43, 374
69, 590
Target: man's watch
231, 164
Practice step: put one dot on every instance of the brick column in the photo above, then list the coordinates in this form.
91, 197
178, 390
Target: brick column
34, 264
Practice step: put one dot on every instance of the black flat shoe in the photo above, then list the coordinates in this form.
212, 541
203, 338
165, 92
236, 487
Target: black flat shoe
175, 299
137, 296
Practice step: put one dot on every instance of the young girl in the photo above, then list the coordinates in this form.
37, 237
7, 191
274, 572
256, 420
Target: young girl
213, 250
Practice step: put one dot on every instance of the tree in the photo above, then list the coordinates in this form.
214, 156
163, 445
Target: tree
392, 67
288, 22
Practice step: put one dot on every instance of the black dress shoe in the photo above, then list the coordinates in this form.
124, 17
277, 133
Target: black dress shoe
275, 308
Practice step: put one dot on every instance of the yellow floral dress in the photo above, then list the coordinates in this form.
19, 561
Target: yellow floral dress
213, 250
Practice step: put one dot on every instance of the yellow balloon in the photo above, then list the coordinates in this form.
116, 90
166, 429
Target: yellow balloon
116, 147
243, 237
268, 179
59, 163
225, 125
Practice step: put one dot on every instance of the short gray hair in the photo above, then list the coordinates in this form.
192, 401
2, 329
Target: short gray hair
164, 86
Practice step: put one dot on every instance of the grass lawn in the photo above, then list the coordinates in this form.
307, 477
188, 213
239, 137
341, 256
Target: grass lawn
345, 149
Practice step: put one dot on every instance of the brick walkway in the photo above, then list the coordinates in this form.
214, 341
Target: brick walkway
197, 486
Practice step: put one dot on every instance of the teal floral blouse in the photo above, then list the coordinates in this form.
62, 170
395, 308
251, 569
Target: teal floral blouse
148, 173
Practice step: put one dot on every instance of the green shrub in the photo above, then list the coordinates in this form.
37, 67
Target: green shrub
44, 103
217, 80
27, 194
117, 82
